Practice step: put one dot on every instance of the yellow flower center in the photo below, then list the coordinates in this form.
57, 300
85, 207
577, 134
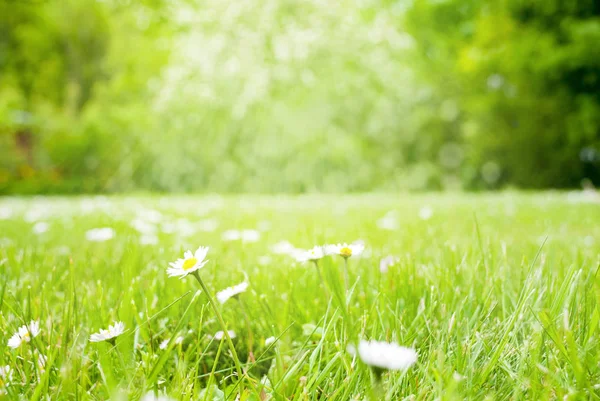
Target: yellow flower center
346, 252
189, 263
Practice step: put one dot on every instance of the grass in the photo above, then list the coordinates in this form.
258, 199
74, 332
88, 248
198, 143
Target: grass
498, 294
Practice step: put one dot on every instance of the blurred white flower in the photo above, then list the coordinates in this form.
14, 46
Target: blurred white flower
100, 234
41, 362
189, 264
425, 213
113, 331
387, 262
244, 235
310, 255
165, 343
381, 354
143, 227
24, 334
208, 225
231, 235
40, 227
345, 250
223, 296
6, 376
389, 221
282, 248
250, 235
5, 214
269, 341
148, 239
219, 334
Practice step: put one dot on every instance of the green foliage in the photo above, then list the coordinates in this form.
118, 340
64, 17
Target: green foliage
176, 96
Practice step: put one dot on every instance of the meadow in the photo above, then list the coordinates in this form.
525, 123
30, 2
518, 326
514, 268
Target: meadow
497, 293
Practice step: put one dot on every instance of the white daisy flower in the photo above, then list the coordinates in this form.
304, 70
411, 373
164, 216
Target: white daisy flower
148, 239
389, 221
208, 225
165, 343
269, 341
387, 262
41, 362
282, 248
223, 296
219, 334
311, 255
109, 334
231, 235
24, 334
5, 214
6, 376
383, 355
425, 213
189, 264
250, 235
345, 250
40, 227
100, 234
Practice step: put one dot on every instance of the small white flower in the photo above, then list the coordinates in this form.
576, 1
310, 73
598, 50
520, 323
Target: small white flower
425, 213
113, 331
250, 235
24, 334
387, 262
5, 214
282, 248
231, 235
345, 250
389, 221
219, 334
40, 227
208, 225
223, 296
310, 255
385, 355
165, 343
100, 234
148, 239
41, 362
189, 264
6, 376
269, 341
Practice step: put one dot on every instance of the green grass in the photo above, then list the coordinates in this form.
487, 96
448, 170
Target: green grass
498, 294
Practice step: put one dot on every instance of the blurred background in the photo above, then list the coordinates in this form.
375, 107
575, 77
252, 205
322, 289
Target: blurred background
298, 96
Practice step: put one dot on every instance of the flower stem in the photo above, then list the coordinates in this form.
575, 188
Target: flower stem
250, 336
238, 365
346, 274
321, 279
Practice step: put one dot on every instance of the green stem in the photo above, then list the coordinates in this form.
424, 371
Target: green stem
250, 336
316, 262
346, 274
238, 365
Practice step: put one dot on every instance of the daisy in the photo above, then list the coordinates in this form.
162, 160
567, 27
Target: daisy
345, 250
189, 264
40, 227
387, 262
223, 296
6, 375
250, 235
311, 255
383, 355
165, 343
269, 341
282, 248
425, 213
220, 334
100, 234
109, 334
24, 334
